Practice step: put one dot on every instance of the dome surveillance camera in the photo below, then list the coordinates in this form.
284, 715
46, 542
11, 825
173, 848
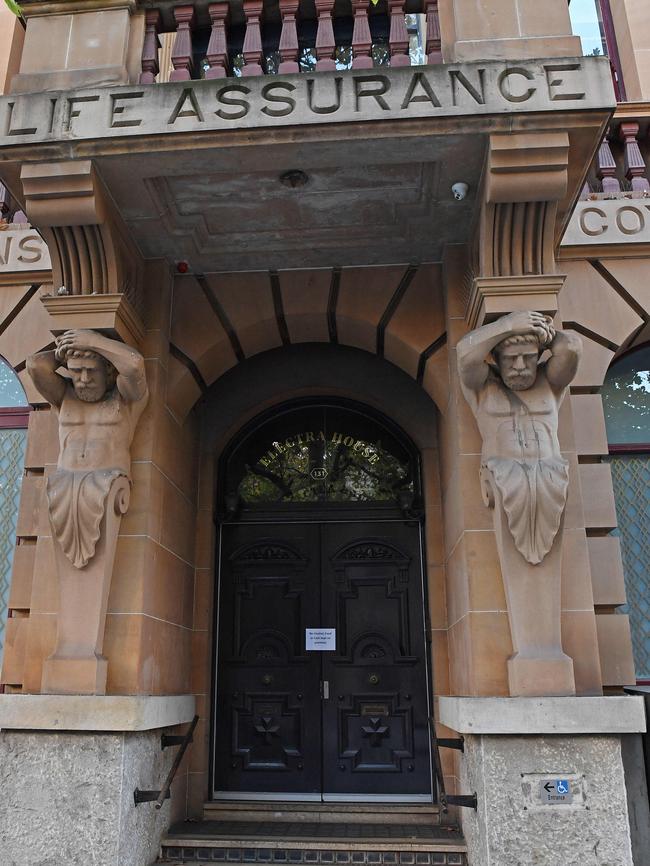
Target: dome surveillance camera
460, 191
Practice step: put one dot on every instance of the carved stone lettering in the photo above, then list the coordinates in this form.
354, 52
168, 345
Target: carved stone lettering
22, 249
118, 108
506, 85
454, 89
609, 221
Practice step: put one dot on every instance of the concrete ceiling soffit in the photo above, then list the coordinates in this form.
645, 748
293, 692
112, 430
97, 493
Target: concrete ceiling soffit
247, 220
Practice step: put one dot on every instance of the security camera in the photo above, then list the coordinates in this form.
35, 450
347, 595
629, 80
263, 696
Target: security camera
460, 191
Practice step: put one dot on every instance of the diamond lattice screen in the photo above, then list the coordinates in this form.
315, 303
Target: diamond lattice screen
12, 459
631, 477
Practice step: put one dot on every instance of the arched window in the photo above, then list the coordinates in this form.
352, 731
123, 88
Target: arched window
626, 401
320, 452
14, 414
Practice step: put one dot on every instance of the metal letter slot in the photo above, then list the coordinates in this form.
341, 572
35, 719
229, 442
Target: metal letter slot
325, 690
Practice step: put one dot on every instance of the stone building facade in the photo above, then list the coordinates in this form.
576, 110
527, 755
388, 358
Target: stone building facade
293, 212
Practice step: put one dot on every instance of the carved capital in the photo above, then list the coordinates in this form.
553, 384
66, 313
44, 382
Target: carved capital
491, 297
111, 314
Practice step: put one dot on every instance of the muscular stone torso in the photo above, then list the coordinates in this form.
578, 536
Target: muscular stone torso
519, 425
97, 435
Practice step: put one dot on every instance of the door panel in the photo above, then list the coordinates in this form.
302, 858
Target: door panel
375, 724
367, 734
267, 716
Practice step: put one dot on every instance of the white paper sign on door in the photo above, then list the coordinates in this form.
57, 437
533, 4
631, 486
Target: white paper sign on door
323, 639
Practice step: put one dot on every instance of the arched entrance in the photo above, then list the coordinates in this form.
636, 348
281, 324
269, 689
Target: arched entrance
322, 681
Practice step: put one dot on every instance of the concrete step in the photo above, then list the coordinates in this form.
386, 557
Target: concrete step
338, 813
274, 843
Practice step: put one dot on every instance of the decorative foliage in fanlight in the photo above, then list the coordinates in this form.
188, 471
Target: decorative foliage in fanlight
325, 470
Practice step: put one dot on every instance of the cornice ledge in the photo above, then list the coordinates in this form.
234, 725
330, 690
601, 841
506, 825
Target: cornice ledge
40, 8
118, 713
586, 715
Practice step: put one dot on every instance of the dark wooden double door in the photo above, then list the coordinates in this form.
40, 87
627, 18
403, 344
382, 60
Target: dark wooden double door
344, 723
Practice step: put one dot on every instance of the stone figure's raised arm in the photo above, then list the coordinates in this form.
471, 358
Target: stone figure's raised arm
562, 366
474, 347
129, 363
42, 368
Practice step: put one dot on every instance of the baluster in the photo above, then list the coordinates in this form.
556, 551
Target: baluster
252, 48
182, 60
586, 192
635, 167
607, 168
288, 46
150, 47
434, 42
325, 42
399, 37
361, 38
5, 202
217, 53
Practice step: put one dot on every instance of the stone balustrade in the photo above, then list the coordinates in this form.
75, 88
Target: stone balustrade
621, 168
255, 37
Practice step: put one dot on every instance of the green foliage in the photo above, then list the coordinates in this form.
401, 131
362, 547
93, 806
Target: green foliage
324, 472
14, 7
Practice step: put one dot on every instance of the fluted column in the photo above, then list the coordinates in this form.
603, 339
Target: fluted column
361, 38
607, 168
252, 48
433, 47
150, 47
325, 42
288, 46
635, 167
399, 37
217, 53
182, 59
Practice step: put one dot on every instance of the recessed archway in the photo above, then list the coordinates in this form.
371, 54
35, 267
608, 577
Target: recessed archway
313, 370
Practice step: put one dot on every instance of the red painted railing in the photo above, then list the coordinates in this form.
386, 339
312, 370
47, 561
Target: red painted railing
354, 34
622, 164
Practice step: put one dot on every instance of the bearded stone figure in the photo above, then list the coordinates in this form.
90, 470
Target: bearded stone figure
99, 403
524, 479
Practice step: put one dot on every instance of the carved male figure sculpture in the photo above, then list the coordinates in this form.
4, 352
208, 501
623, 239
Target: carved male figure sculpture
98, 405
524, 478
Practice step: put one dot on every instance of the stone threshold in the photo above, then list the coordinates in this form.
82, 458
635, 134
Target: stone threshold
624, 714
322, 813
306, 844
96, 713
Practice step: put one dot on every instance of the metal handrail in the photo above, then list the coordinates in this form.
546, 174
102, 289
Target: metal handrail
159, 797
469, 801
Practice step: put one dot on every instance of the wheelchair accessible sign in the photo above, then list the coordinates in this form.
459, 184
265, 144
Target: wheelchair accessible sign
555, 792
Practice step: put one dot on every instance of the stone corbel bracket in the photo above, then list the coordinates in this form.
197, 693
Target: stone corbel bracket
90, 249
526, 178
